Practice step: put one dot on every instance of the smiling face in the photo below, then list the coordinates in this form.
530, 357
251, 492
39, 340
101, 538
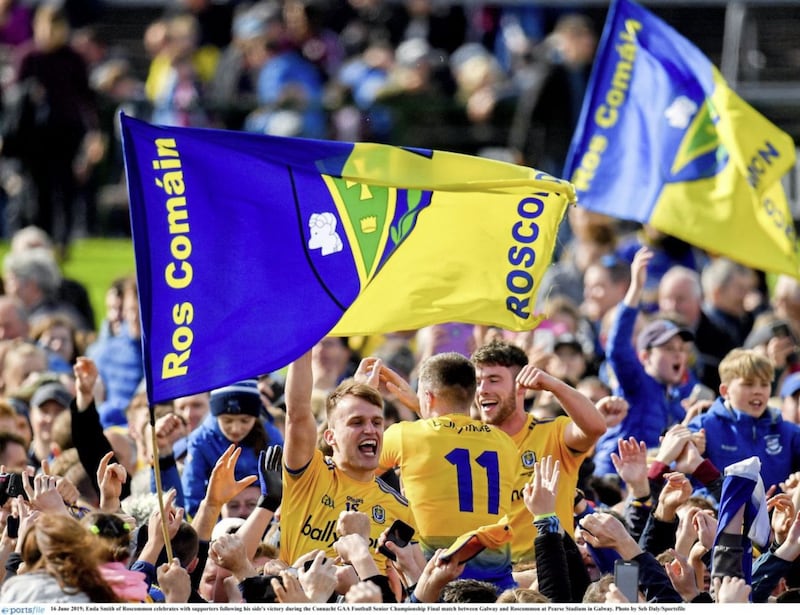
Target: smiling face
496, 395
667, 363
356, 435
748, 395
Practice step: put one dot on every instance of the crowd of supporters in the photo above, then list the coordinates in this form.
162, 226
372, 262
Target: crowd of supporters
652, 417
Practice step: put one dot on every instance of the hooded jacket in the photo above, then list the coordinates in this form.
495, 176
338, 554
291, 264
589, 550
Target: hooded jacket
732, 435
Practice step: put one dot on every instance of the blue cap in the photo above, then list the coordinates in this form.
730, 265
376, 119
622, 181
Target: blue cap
238, 398
791, 385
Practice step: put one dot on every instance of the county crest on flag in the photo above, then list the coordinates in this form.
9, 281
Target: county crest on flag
251, 248
663, 140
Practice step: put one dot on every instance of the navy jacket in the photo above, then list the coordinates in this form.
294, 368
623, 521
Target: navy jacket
732, 436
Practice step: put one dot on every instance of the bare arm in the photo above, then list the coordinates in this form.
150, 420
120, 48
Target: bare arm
270, 463
587, 423
301, 426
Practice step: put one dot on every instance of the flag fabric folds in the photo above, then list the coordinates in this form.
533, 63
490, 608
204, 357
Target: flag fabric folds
663, 140
251, 248
743, 506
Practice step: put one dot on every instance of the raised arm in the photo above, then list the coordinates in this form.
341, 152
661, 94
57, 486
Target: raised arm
641, 259
301, 426
87, 431
269, 480
587, 423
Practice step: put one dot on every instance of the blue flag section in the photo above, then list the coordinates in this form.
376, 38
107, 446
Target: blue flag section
663, 140
249, 248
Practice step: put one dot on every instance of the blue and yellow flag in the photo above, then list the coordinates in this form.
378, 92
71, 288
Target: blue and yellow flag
251, 248
663, 140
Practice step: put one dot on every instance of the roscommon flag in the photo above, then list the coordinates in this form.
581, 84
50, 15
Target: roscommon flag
663, 140
251, 248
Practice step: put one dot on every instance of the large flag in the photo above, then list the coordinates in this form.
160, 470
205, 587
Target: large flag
251, 248
663, 140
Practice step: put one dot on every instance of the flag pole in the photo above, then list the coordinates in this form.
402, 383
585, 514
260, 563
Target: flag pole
159, 488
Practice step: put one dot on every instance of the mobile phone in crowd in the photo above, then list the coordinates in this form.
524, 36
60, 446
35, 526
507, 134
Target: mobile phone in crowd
400, 533
12, 526
626, 578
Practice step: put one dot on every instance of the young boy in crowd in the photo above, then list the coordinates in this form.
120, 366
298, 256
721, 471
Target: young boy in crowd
740, 424
648, 375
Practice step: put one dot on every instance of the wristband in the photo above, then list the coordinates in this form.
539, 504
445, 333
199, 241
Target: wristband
268, 502
542, 517
644, 501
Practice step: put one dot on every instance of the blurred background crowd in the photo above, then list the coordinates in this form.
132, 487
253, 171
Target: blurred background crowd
504, 81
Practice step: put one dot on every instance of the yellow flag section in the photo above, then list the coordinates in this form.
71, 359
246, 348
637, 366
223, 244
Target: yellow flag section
476, 253
741, 212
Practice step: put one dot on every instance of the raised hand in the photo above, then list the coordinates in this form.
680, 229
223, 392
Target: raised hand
682, 576
410, 560
783, 513
228, 551
174, 581
690, 457
43, 495
631, 465
677, 489
613, 408
369, 372
436, 575
353, 522
731, 590
110, 477
222, 484
86, 375
288, 589
319, 581
605, 530
270, 477
540, 493
672, 443
169, 429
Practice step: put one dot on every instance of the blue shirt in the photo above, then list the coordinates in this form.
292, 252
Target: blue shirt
121, 367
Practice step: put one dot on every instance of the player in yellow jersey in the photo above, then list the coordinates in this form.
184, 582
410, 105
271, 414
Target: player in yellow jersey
457, 472
316, 488
503, 377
